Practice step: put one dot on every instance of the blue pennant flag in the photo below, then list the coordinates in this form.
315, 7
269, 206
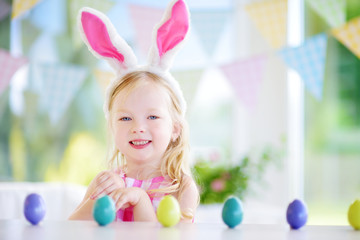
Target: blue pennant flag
210, 26
309, 61
60, 83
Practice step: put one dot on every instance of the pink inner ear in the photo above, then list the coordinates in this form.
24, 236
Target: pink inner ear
98, 36
173, 30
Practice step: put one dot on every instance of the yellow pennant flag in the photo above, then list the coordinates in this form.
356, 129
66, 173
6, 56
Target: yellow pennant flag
270, 18
103, 78
349, 35
21, 6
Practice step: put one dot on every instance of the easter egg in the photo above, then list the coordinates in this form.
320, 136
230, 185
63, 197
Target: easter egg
168, 212
296, 214
34, 208
354, 214
232, 212
104, 210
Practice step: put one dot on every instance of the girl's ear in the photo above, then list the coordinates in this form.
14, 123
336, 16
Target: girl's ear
103, 41
169, 34
176, 131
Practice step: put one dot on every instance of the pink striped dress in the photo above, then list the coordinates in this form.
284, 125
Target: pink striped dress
126, 215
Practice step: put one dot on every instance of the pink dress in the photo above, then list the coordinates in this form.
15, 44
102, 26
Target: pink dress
126, 215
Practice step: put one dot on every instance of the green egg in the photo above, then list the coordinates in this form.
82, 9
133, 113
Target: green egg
168, 212
354, 214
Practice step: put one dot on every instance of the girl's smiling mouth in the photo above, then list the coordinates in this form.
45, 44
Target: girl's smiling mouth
138, 144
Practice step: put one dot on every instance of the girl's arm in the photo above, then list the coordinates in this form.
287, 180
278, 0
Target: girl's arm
84, 210
189, 200
103, 184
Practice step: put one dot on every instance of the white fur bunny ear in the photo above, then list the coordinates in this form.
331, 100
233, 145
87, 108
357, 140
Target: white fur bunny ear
168, 35
103, 41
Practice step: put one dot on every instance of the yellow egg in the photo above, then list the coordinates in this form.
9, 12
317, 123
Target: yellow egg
168, 212
354, 214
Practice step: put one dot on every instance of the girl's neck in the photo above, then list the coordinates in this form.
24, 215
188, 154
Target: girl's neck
142, 172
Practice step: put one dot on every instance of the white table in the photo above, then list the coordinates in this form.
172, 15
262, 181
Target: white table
88, 230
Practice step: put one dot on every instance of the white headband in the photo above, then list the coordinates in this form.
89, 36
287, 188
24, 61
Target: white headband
104, 42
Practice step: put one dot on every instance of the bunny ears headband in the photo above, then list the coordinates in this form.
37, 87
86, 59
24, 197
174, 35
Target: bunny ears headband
104, 42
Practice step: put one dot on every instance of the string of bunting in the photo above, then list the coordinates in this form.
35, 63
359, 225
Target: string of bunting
269, 18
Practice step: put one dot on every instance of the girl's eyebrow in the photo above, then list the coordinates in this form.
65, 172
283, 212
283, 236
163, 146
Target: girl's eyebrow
121, 111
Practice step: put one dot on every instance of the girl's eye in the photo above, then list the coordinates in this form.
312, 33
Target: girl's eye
125, 119
153, 117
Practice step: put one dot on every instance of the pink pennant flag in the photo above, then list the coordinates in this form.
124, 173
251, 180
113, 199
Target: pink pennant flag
144, 19
246, 76
9, 65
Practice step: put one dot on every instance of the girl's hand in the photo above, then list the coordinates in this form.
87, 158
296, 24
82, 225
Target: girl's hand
137, 197
126, 197
105, 183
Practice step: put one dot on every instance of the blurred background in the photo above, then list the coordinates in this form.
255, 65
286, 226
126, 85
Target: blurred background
272, 88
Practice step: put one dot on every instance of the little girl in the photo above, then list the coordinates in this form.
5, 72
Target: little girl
145, 110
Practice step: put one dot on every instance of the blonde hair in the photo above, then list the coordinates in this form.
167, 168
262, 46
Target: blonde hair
175, 159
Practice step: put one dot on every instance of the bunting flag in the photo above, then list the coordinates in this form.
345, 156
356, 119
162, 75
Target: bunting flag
270, 18
5, 9
246, 76
9, 65
103, 78
19, 7
74, 7
332, 11
189, 81
29, 34
60, 84
50, 16
309, 61
144, 19
210, 25
349, 35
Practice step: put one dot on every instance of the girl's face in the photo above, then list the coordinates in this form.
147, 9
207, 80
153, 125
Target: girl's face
142, 124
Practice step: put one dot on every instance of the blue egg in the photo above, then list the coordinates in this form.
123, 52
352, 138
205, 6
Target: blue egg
232, 212
296, 214
34, 208
104, 210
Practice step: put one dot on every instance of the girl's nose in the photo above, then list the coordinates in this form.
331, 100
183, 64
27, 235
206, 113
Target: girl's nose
138, 127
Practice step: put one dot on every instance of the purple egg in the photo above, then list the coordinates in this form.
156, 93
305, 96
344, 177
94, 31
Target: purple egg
296, 214
34, 208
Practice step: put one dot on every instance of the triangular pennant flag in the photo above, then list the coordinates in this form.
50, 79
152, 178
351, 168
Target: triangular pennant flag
210, 25
309, 61
270, 18
50, 16
4, 9
60, 84
74, 7
189, 81
144, 19
333, 11
349, 35
29, 34
246, 76
9, 65
44, 49
19, 7
103, 78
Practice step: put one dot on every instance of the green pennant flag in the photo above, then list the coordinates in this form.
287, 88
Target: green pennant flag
74, 7
189, 81
333, 11
29, 34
